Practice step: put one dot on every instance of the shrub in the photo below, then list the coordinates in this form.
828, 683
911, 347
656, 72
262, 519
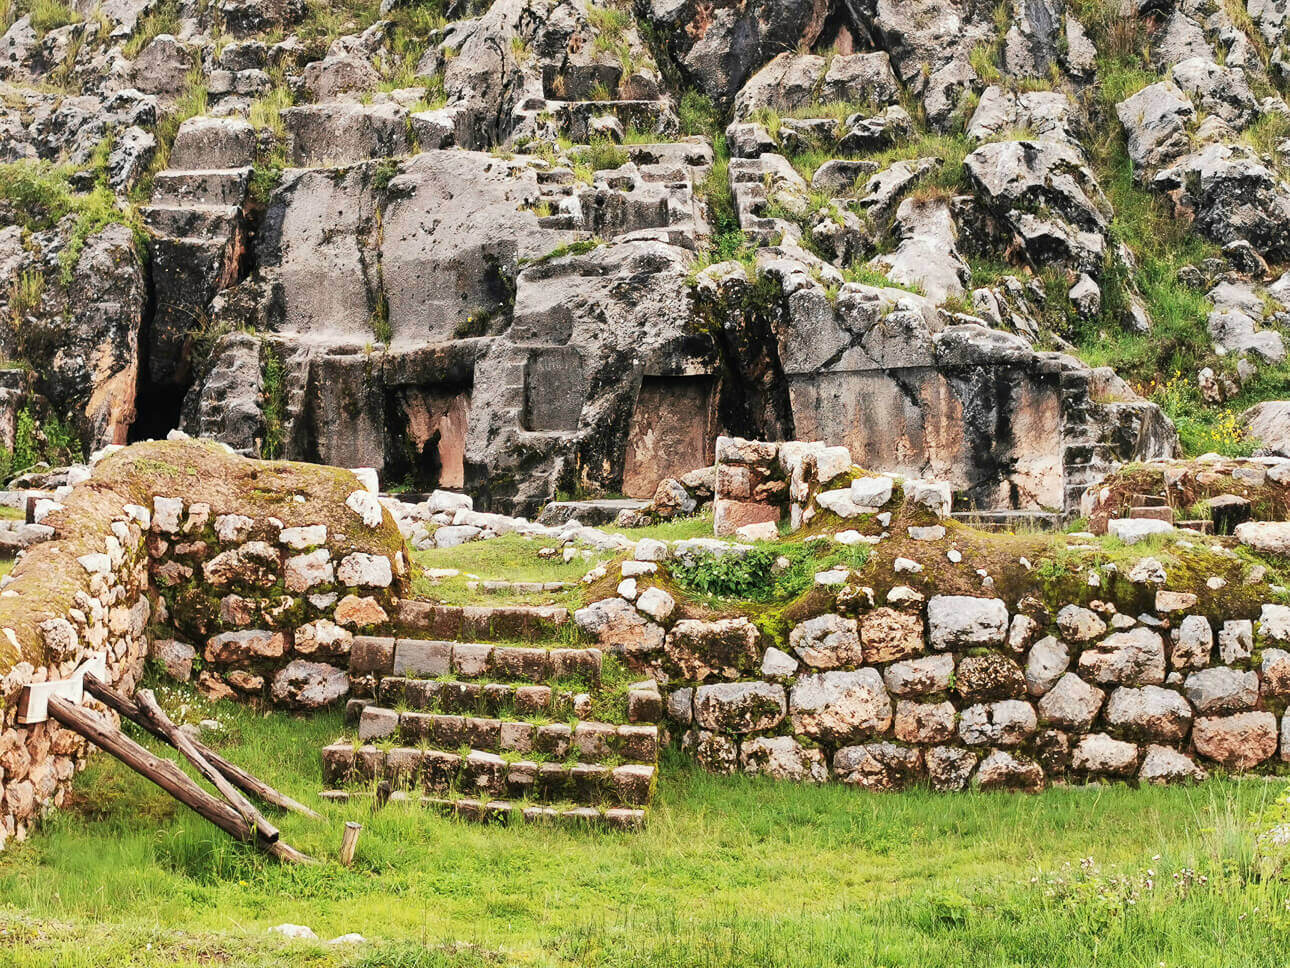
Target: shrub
760, 575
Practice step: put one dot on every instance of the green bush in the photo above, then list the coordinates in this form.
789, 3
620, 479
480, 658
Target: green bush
756, 577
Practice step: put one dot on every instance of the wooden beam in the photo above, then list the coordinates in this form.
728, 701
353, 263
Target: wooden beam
125, 707
177, 738
166, 775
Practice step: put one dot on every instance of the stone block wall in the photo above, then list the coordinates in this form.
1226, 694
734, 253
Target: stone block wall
84, 593
271, 610
267, 569
959, 691
884, 688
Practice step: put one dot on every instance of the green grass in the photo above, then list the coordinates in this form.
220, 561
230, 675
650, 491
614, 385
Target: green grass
731, 871
510, 558
41, 197
678, 529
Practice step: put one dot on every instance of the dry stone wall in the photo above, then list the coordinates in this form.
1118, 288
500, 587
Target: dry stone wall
1013, 687
961, 691
252, 575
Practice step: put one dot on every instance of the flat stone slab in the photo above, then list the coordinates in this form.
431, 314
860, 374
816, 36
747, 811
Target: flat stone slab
587, 512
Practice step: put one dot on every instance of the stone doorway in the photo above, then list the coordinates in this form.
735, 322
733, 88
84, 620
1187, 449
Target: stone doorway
673, 431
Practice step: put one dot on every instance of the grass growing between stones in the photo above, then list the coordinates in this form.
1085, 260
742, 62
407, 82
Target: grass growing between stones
511, 558
731, 871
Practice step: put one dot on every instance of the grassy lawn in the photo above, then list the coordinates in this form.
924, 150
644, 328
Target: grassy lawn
730, 872
515, 558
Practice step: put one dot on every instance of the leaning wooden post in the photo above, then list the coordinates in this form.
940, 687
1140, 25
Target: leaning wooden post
180, 741
166, 775
349, 842
128, 709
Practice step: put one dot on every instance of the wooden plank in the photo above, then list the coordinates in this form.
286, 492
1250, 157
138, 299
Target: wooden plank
166, 775
177, 738
125, 707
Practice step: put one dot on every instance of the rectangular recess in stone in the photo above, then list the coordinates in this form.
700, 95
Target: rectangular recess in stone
673, 430
555, 388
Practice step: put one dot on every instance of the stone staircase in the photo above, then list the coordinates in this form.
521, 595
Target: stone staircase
196, 218
496, 732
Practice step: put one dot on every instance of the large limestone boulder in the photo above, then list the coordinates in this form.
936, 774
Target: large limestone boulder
840, 706
1269, 423
793, 82
1155, 122
1016, 179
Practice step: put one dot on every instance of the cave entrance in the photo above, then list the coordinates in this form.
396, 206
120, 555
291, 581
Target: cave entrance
428, 438
673, 431
158, 408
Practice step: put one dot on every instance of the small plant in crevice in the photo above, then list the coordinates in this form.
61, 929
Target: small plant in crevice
273, 402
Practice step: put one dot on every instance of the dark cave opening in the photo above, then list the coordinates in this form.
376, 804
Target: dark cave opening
158, 407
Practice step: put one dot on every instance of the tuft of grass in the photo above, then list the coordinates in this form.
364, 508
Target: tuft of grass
273, 395
47, 15
41, 196
161, 19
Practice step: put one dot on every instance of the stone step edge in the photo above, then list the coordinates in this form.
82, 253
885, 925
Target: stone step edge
487, 622
627, 784
484, 700
385, 724
504, 811
428, 658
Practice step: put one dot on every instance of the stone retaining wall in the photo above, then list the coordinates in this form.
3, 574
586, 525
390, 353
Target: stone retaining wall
268, 569
961, 691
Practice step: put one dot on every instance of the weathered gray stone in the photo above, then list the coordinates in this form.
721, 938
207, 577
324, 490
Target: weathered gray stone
1071, 704
1006, 723
878, 766
1002, 770
1132, 658
783, 758
618, 627
1047, 662
724, 648
1194, 644
1079, 625
1099, 753
949, 768
961, 622
827, 642
739, 707
1150, 713
1161, 764
840, 706
309, 685
1222, 690
1236, 640
919, 677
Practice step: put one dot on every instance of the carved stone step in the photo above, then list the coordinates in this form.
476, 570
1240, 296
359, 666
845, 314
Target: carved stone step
427, 658
480, 622
592, 742
210, 186
209, 224
504, 811
479, 772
